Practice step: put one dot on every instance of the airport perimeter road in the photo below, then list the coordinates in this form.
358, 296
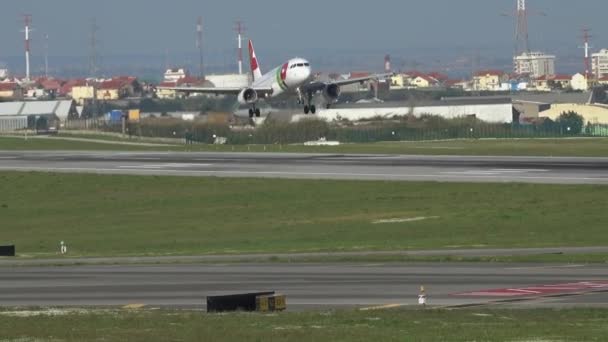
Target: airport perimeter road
561, 170
307, 286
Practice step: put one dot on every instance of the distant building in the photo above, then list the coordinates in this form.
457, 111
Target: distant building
425, 81
489, 80
107, 90
10, 90
549, 83
82, 91
20, 115
175, 74
536, 64
600, 63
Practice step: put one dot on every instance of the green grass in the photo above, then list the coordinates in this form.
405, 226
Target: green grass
52, 144
392, 325
590, 147
136, 215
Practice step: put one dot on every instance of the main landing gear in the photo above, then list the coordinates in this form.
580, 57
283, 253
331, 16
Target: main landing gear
254, 111
308, 107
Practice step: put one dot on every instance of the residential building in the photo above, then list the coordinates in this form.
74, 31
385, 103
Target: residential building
424, 81
10, 90
536, 64
82, 91
549, 83
489, 80
600, 63
398, 81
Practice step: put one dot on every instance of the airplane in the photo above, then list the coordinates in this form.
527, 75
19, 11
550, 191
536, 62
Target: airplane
294, 77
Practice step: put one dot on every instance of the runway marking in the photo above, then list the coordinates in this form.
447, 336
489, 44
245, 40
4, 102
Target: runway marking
382, 307
544, 267
402, 220
133, 306
494, 172
304, 174
583, 286
163, 166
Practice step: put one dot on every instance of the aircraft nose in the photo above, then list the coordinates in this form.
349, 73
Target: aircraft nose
307, 72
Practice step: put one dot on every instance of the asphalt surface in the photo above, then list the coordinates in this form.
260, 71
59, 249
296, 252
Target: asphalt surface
560, 170
307, 286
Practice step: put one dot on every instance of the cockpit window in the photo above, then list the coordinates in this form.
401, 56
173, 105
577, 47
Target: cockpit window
300, 65
306, 64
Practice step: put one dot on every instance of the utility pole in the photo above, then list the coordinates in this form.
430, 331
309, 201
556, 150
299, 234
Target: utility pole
93, 65
199, 44
46, 55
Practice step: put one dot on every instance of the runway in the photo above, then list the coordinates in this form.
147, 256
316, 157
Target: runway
558, 170
307, 286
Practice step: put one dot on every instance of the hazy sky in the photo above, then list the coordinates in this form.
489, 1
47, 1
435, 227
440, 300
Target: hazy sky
133, 27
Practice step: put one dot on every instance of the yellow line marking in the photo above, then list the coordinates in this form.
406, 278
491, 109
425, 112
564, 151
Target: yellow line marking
382, 307
133, 306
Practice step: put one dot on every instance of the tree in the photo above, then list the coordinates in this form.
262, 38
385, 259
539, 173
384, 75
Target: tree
571, 123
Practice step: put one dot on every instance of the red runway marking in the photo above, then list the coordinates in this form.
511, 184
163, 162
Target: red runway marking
540, 290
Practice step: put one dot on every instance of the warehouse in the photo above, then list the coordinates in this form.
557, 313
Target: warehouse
16, 115
489, 109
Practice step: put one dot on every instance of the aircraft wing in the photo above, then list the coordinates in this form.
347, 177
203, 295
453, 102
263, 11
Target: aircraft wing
318, 86
213, 90
362, 79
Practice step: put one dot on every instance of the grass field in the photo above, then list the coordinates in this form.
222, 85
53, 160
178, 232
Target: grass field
524, 147
397, 325
132, 215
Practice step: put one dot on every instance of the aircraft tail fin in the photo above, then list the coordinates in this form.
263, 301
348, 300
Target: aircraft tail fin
255, 67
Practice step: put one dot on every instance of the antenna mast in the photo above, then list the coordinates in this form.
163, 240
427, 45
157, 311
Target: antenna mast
199, 45
27, 18
522, 40
240, 30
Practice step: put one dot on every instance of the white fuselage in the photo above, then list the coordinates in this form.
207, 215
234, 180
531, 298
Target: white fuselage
286, 78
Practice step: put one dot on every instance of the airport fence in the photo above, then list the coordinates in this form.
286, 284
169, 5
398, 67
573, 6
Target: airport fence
310, 130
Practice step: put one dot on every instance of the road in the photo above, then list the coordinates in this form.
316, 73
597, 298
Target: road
307, 286
550, 170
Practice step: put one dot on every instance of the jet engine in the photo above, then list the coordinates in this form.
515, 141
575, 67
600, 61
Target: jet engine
331, 93
248, 96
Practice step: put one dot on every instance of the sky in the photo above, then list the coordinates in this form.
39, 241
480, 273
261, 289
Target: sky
285, 27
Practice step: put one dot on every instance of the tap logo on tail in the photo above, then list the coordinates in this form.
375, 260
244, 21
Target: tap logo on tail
255, 68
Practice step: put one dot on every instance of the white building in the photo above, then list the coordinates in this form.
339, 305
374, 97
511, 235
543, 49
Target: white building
600, 63
536, 64
174, 75
489, 109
